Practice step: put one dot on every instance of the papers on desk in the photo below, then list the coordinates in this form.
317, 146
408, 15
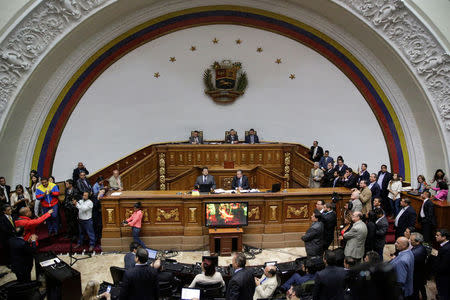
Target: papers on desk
222, 191
49, 262
116, 193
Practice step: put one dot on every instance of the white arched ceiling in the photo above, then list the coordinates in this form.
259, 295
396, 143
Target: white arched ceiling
41, 78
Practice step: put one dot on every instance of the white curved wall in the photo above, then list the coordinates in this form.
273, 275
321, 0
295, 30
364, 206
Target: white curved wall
127, 108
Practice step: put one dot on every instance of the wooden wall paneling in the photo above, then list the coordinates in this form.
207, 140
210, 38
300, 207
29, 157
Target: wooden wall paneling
273, 215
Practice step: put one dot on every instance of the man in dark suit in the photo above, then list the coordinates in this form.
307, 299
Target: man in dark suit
329, 220
22, 255
251, 138
363, 174
442, 264
426, 217
83, 184
7, 230
240, 181
77, 171
195, 138
340, 167
129, 259
325, 160
420, 257
140, 282
232, 137
205, 178
5, 191
329, 283
242, 283
328, 178
405, 218
374, 187
383, 179
349, 179
381, 228
316, 152
313, 237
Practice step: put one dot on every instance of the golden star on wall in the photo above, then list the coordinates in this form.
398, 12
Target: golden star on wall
238, 41
193, 48
278, 61
292, 76
156, 75
259, 49
172, 59
215, 41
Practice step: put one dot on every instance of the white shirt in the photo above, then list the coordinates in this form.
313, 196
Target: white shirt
371, 185
85, 209
5, 192
395, 186
442, 244
399, 215
378, 220
422, 213
315, 152
380, 179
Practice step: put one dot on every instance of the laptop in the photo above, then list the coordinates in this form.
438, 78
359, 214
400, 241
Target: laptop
205, 188
189, 294
276, 187
152, 253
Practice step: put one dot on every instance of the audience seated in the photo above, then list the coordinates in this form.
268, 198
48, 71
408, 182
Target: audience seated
232, 137
115, 182
208, 275
129, 258
308, 271
266, 285
329, 283
140, 282
329, 176
205, 178
240, 181
195, 138
242, 283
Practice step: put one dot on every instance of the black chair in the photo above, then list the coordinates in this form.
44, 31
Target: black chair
167, 290
117, 274
210, 291
23, 291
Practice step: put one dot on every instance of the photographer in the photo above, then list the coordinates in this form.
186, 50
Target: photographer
85, 220
135, 222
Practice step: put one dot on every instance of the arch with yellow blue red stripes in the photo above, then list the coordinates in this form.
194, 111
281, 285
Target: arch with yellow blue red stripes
68, 98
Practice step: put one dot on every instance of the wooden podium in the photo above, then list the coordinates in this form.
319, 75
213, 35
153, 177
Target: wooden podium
223, 241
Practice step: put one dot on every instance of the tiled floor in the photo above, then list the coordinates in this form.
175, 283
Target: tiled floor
97, 267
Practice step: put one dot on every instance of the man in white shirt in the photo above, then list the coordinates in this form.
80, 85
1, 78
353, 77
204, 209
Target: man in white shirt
85, 220
5, 191
266, 285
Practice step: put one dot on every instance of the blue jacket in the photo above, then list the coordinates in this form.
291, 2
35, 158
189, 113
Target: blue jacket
404, 267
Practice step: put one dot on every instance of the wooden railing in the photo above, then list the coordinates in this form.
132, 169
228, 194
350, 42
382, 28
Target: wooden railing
266, 178
142, 174
185, 180
301, 167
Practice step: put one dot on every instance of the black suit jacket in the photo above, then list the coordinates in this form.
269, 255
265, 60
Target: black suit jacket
7, 230
84, 188
351, 182
319, 153
381, 229
329, 283
428, 210
329, 221
442, 262
384, 185
328, 178
129, 260
21, 255
365, 176
247, 139
140, 282
229, 138
420, 257
376, 191
235, 183
241, 286
76, 174
165, 276
342, 171
407, 219
8, 190
313, 239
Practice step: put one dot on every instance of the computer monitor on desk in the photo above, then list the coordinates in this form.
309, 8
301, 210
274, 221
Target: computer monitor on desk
276, 187
205, 188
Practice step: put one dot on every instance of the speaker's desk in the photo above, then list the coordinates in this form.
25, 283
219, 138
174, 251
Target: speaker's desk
175, 219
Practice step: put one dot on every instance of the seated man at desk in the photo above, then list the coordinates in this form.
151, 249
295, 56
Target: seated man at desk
195, 138
251, 138
240, 181
232, 138
205, 178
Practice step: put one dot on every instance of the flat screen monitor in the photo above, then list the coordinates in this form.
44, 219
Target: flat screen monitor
226, 214
152, 253
205, 188
189, 294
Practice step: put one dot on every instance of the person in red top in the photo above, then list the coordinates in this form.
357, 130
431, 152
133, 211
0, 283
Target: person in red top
135, 222
29, 224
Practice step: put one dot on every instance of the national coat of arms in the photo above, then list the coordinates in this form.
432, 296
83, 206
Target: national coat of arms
225, 81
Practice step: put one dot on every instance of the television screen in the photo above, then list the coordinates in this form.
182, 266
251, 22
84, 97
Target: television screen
226, 214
